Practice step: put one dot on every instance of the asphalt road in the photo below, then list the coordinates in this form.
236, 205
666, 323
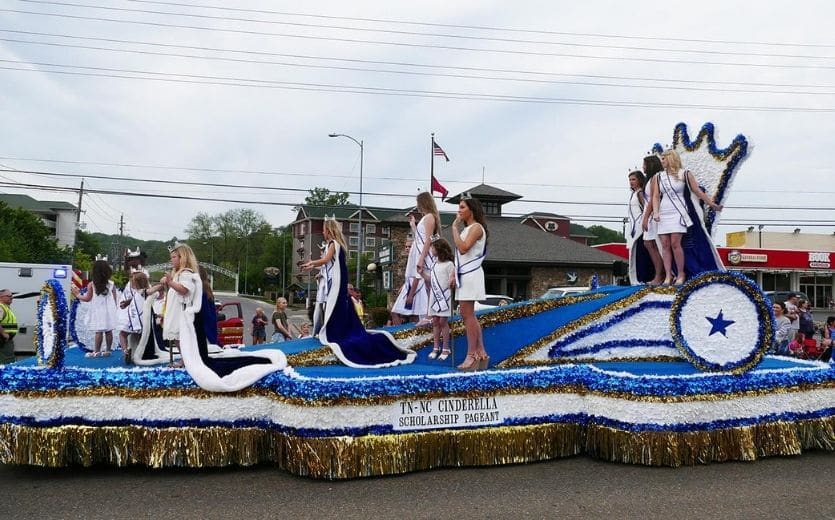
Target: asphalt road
579, 487
248, 307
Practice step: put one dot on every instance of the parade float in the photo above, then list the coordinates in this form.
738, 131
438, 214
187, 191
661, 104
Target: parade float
661, 376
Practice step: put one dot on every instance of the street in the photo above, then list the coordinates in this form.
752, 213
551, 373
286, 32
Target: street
248, 307
577, 487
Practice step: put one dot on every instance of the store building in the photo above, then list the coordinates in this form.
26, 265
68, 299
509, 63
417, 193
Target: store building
811, 271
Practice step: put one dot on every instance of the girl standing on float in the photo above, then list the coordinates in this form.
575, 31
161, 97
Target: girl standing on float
670, 209
341, 328
132, 306
651, 166
102, 316
441, 280
469, 232
181, 285
429, 225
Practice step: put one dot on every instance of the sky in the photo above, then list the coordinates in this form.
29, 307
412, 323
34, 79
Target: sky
553, 101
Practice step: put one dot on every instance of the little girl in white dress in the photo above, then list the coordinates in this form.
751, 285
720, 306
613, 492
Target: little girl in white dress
440, 280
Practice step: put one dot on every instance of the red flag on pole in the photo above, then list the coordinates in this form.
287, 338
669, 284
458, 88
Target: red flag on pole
437, 186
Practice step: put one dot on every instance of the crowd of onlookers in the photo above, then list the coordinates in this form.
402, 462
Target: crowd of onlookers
796, 333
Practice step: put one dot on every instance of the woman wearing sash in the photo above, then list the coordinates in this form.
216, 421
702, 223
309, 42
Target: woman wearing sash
470, 250
342, 331
677, 211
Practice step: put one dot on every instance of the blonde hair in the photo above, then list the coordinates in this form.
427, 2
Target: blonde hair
334, 229
426, 205
187, 258
673, 160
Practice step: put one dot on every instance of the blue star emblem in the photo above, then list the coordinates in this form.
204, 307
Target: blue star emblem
719, 324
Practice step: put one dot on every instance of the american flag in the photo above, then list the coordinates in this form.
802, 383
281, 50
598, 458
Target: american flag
437, 150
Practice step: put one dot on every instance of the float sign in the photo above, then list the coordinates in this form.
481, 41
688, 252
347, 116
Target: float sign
450, 412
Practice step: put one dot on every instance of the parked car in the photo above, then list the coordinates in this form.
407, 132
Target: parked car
559, 292
781, 296
492, 300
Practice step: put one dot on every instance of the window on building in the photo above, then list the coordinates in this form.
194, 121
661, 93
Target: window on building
370, 242
491, 208
355, 227
550, 226
370, 229
385, 230
352, 253
353, 241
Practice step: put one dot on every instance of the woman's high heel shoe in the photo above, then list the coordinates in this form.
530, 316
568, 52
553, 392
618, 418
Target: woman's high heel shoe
444, 354
483, 362
434, 353
470, 363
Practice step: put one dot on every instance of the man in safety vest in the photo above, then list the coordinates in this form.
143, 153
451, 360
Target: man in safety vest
8, 327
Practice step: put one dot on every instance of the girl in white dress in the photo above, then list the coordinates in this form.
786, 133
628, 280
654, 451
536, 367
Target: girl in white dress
651, 166
102, 317
670, 212
441, 280
131, 309
470, 251
181, 283
429, 225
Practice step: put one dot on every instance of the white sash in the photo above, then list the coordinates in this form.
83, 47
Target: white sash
470, 265
440, 291
420, 240
675, 199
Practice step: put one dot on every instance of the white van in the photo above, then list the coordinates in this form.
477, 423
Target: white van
559, 292
25, 282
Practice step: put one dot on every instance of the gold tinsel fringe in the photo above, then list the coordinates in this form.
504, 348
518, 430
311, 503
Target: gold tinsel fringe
350, 457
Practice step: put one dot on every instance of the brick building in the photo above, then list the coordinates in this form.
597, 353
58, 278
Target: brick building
525, 255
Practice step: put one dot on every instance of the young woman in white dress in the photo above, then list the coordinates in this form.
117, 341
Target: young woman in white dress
670, 212
651, 167
470, 235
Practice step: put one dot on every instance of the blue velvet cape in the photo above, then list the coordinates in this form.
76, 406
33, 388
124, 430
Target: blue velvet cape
345, 335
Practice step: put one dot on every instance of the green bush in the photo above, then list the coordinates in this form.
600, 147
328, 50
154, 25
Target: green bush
379, 316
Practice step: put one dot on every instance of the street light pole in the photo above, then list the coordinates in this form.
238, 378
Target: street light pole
359, 236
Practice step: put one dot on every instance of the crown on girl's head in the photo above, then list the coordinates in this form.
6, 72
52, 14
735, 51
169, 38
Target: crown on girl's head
133, 254
466, 196
101, 257
332, 217
435, 238
175, 245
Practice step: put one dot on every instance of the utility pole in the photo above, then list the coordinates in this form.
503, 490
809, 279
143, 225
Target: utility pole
121, 241
77, 221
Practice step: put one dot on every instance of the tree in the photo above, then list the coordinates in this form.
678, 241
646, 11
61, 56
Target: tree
87, 246
604, 235
324, 197
27, 239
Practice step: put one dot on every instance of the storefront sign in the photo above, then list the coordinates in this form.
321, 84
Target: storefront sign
819, 260
735, 257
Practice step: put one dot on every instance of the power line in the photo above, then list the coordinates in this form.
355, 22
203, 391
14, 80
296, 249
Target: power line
583, 218
379, 194
417, 45
353, 89
380, 62
412, 73
623, 189
424, 34
483, 27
